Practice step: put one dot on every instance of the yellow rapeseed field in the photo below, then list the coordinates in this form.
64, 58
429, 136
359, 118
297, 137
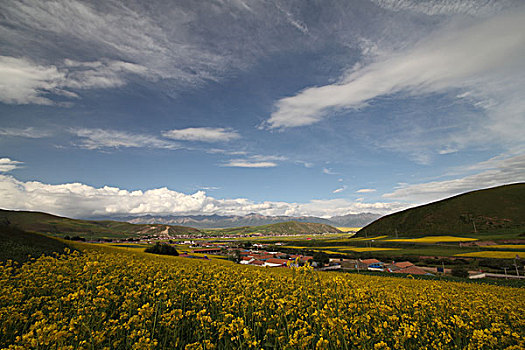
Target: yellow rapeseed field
110, 298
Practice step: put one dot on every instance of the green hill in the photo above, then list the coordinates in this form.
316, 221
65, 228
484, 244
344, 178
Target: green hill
498, 210
17, 245
281, 228
60, 226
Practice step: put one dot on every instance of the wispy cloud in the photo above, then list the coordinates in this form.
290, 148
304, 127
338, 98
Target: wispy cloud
23, 81
495, 172
366, 190
29, 132
244, 163
7, 164
202, 134
81, 200
339, 190
328, 171
94, 139
483, 59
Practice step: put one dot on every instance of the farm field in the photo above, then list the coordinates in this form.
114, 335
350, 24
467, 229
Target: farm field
493, 254
433, 239
506, 246
348, 229
120, 298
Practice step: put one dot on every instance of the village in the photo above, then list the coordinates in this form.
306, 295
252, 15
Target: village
256, 255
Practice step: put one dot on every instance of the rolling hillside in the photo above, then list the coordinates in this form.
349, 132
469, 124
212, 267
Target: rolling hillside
60, 226
283, 228
18, 245
499, 210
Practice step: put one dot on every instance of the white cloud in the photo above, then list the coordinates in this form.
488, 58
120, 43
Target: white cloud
484, 61
23, 81
244, 163
100, 138
496, 171
339, 190
366, 190
328, 171
202, 134
6, 164
29, 132
80, 200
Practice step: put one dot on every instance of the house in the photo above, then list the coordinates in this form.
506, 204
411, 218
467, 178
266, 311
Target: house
403, 264
245, 260
256, 262
413, 270
395, 266
371, 265
262, 256
275, 262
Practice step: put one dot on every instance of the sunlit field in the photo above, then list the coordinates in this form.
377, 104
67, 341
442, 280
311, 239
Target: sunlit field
120, 298
348, 229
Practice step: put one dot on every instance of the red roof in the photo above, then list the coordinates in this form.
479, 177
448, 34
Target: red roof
370, 261
277, 261
306, 258
403, 264
262, 256
257, 262
245, 258
413, 270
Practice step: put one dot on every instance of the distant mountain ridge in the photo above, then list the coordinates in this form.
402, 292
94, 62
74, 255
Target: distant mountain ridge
230, 221
495, 210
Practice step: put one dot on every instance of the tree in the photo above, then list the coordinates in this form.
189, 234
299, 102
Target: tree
459, 271
162, 248
321, 258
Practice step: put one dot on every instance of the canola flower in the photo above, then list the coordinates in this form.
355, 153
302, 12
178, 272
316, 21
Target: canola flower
109, 298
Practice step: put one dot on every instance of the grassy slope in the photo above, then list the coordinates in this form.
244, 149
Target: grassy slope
498, 210
16, 244
56, 225
282, 228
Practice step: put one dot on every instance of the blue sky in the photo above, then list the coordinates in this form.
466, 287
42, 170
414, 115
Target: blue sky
276, 107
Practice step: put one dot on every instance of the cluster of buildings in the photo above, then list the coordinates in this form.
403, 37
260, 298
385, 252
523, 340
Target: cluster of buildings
273, 259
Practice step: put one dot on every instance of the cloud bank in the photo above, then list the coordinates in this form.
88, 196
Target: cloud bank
80, 200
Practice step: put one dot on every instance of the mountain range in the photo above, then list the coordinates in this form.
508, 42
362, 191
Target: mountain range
219, 221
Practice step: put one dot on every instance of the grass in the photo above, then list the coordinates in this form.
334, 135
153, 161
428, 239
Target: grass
507, 246
493, 255
432, 239
18, 245
499, 210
